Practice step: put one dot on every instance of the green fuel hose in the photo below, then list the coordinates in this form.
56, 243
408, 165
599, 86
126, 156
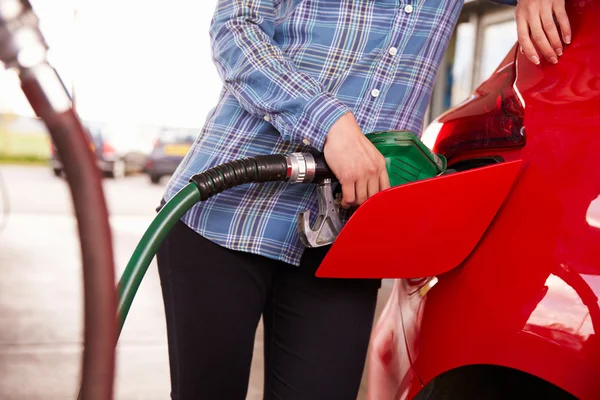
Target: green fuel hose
294, 167
148, 246
399, 149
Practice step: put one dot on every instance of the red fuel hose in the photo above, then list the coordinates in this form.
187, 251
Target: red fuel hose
84, 180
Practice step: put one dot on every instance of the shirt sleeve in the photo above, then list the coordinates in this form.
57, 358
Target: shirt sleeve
262, 77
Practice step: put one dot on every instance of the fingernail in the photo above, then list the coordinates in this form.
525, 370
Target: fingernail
568, 39
535, 60
553, 60
558, 51
521, 49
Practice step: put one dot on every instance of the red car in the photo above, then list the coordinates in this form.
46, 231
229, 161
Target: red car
499, 261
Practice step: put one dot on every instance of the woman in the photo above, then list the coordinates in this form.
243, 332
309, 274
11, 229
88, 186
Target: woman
298, 74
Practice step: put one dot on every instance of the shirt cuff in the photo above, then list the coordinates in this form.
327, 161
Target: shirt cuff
317, 118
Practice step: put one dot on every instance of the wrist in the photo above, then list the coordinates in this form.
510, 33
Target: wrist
317, 120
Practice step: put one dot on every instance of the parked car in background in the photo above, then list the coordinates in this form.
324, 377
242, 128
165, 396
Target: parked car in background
119, 150
497, 263
169, 150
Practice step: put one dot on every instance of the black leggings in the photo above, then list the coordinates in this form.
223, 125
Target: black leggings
316, 330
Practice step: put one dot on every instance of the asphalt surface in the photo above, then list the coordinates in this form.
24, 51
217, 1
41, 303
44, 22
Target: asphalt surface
40, 292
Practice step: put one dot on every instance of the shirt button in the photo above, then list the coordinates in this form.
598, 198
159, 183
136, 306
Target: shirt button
408, 8
375, 93
393, 51
267, 118
306, 141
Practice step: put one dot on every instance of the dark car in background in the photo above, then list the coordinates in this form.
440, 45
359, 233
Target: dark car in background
169, 150
118, 151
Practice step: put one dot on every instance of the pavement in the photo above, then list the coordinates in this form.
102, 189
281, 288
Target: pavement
41, 296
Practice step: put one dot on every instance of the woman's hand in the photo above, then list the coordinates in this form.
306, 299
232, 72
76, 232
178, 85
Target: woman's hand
536, 23
358, 165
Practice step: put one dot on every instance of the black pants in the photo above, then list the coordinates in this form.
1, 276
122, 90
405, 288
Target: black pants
316, 330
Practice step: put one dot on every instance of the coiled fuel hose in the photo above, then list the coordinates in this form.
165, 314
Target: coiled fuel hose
294, 168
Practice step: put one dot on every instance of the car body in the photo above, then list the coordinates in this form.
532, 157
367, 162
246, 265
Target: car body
118, 151
169, 150
500, 261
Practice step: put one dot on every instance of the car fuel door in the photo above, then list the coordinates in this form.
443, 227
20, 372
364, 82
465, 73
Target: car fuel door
420, 229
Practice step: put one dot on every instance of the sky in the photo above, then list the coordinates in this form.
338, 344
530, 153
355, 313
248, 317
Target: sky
132, 61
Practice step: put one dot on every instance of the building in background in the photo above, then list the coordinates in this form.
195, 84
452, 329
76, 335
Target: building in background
485, 33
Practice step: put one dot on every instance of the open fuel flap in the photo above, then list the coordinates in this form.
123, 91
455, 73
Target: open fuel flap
420, 229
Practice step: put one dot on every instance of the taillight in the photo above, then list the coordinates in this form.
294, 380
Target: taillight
107, 149
491, 119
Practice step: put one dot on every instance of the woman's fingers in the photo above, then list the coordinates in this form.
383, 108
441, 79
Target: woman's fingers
542, 27
551, 31
525, 41
361, 192
348, 195
373, 187
563, 20
538, 35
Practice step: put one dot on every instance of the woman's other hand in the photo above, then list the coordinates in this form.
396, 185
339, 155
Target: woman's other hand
545, 24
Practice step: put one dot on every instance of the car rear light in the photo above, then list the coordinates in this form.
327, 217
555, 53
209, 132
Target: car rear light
491, 119
107, 149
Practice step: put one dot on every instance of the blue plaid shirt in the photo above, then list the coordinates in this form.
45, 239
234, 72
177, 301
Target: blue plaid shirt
290, 69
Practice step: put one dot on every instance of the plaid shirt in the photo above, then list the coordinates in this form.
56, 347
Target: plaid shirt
290, 69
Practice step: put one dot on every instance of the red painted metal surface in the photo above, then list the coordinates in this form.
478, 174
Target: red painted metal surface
395, 231
526, 297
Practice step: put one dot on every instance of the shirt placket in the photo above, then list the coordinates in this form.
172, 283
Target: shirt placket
387, 65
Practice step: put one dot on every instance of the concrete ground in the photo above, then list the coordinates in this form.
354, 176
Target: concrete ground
40, 293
